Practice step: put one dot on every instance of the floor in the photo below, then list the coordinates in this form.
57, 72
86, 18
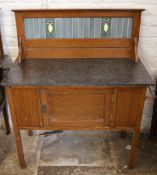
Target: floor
77, 153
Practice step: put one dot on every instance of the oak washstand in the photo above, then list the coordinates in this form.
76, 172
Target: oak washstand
77, 70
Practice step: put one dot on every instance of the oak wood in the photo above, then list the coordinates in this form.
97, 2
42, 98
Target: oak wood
74, 109
77, 128
78, 53
136, 133
20, 34
81, 43
25, 106
96, 106
126, 107
16, 129
78, 48
78, 12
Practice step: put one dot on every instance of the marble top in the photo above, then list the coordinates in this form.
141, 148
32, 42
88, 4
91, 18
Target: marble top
77, 72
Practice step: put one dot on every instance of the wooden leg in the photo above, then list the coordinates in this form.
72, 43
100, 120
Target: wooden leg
17, 134
5, 115
134, 146
19, 148
30, 132
123, 134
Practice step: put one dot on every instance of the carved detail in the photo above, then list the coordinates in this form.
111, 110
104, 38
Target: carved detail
114, 98
136, 49
20, 50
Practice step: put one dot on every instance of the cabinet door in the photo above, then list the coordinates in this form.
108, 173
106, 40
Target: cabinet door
126, 109
26, 107
75, 108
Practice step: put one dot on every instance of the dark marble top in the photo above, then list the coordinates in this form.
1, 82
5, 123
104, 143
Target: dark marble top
77, 72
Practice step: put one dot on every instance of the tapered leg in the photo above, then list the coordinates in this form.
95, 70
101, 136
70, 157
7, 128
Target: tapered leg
30, 132
17, 134
19, 148
6, 120
134, 146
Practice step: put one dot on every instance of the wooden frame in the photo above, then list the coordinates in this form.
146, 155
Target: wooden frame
77, 48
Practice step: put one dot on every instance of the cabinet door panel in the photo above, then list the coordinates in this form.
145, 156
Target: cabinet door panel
127, 104
89, 107
82, 108
26, 107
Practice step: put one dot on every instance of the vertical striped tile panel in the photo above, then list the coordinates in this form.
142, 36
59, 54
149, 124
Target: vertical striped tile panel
91, 28
75, 27
129, 27
97, 27
86, 27
36, 28
113, 28
29, 30
58, 27
119, 28
69, 28
42, 31
26, 28
78, 28
64, 33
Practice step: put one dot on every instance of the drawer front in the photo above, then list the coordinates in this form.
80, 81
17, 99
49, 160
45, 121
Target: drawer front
26, 107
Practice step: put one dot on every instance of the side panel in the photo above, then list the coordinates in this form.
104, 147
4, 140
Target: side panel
25, 103
127, 105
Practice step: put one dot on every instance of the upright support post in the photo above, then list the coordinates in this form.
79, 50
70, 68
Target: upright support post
6, 120
15, 129
134, 146
136, 132
19, 148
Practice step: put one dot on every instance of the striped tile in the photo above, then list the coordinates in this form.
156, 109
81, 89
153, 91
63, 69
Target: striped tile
77, 28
